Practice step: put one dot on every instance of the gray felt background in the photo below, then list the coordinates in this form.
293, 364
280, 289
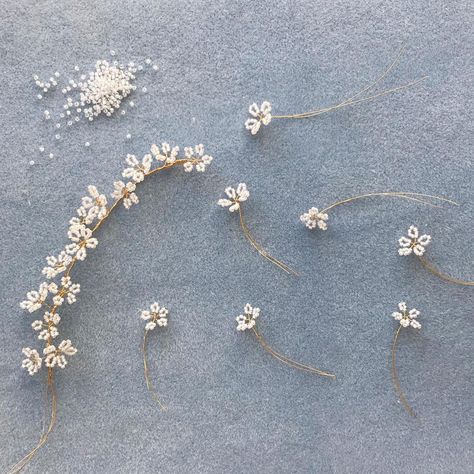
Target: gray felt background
232, 407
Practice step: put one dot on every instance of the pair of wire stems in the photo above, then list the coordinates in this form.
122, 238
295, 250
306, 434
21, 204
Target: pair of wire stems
279, 356
417, 197
356, 98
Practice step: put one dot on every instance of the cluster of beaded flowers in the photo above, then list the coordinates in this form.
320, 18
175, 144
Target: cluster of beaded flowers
235, 197
94, 209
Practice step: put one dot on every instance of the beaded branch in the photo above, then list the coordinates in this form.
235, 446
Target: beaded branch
91, 215
406, 319
315, 218
248, 321
234, 200
261, 115
155, 316
417, 244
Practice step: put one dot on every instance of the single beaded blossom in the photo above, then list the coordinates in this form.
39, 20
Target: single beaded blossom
156, 316
236, 196
405, 317
57, 355
314, 218
248, 319
33, 361
260, 115
413, 243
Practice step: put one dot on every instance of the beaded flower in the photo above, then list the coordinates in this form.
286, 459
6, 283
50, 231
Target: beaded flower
259, 115
247, 320
314, 218
236, 196
405, 317
156, 316
413, 243
56, 356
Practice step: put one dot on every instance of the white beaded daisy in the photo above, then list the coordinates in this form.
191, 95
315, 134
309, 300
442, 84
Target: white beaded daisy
33, 361
56, 356
95, 203
313, 218
247, 320
260, 115
156, 316
405, 317
126, 192
81, 237
413, 243
236, 196
48, 326
137, 170
56, 265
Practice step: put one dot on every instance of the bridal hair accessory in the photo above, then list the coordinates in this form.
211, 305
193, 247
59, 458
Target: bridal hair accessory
248, 321
234, 200
416, 244
406, 319
156, 316
262, 115
318, 219
52, 297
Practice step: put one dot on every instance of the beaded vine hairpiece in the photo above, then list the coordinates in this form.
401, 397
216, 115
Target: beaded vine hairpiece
417, 244
156, 316
406, 319
248, 321
91, 215
261, 115
234, 200
316, 218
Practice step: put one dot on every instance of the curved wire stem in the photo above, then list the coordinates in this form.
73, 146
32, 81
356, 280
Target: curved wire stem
260, 249
50, 394
396, 382
149, 383
286, 360
417, 197
431, 268
353, 99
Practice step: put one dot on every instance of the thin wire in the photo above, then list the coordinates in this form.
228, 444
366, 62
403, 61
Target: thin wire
149, 383
260, 249
350, 100
396, 382
430, 267
400, 194
44, 436
287, 360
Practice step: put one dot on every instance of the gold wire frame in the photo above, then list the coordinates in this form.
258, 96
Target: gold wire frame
396, 382
431, 268
262, 251
355, 98
286, 360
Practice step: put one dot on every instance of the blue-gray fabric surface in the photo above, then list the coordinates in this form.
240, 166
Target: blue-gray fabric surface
231, 406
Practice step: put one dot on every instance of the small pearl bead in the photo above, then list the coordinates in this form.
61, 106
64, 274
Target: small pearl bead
51, 155
41, 149
155, 67
112, 52
32, 163
87, 144
57, 136
39, 96
144, 90
128, 136
57, 74
148, 61
76, 68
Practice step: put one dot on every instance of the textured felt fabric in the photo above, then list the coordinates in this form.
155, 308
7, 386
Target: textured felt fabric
231, 407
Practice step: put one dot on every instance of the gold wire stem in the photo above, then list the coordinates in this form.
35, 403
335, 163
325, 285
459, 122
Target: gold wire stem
44, 436
287, 360
314, 113
401, 194
431, 268
350, 100
149, 383
260, 249
396, 382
